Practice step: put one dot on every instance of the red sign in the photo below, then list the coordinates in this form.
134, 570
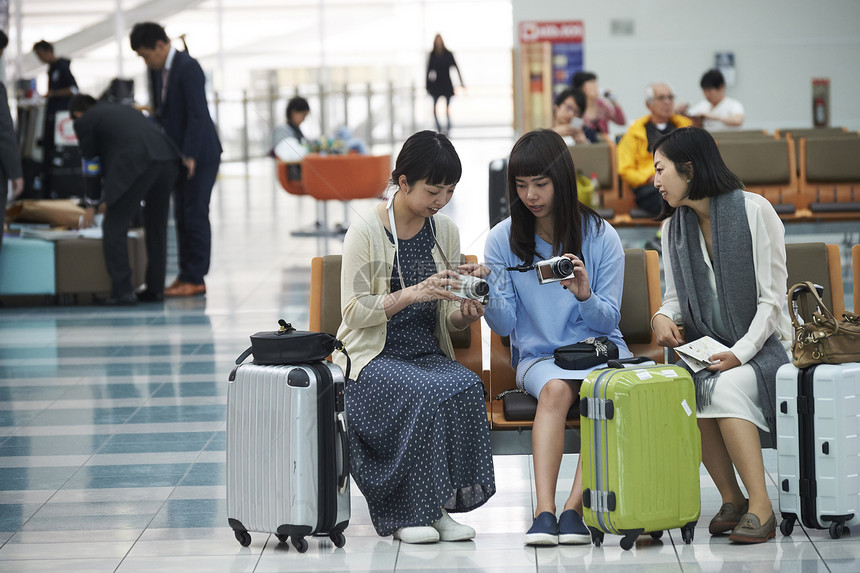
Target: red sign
567, 32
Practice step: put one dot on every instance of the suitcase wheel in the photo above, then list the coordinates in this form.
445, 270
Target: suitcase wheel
243, 537
282, 538
687, 534
656, 534
836, 529
596, 537
338, 538
300, 543
786, 526
628, 541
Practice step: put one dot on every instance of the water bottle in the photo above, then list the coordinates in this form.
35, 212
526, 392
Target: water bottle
595, 192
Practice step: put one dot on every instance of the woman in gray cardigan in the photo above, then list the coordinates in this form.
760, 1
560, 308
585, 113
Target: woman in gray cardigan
419, 441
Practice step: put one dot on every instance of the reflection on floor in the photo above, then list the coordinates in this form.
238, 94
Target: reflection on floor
112, 428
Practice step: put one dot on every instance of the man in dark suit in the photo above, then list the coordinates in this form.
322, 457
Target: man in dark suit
10, 159
136, 162
179, 97
61, 87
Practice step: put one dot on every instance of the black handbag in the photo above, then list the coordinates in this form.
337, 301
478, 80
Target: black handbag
590, 352
290, 346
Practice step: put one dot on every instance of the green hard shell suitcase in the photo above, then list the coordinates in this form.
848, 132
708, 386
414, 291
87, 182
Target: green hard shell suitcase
641, 451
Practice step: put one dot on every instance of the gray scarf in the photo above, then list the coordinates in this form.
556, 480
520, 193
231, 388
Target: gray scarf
736, 292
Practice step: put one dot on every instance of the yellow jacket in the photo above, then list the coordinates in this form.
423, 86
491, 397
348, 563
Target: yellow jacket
635, 162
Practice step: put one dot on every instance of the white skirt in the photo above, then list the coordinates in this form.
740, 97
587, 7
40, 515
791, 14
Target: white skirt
736, 396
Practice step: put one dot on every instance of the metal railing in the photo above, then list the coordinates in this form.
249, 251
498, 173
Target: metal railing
378, 113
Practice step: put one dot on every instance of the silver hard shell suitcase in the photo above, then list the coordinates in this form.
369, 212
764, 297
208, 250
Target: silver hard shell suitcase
818, 446
287, 455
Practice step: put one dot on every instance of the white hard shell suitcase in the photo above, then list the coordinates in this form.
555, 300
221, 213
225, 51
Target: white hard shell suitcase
818, 446
287, 454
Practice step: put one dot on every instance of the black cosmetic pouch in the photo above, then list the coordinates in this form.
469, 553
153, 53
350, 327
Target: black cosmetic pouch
290, 346
585, 354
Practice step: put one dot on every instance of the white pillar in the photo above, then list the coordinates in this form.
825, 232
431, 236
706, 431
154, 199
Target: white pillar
221, 62
119, 34
19, 28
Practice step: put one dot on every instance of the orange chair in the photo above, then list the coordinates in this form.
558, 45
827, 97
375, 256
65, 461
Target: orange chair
290, 177
342, 178
345, 177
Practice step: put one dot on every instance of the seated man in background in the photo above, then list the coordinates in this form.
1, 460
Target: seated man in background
635, 162
716, 112
288, 140
567, 118
137, 162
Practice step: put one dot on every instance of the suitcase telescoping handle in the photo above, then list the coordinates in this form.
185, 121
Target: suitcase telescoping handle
343, 478
630, 362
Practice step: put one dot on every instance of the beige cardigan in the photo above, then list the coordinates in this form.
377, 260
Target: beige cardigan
365, 280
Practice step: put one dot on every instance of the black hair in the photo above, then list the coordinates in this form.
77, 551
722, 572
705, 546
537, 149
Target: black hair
429, 156
43, 45
4, 40
146, 35
297, 104
579, 79
444, 49
81, 103
566, 93
712, 79
544, 153
695, 155
578, 96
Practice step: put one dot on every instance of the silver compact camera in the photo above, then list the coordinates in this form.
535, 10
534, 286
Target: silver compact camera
554, 270
471, 287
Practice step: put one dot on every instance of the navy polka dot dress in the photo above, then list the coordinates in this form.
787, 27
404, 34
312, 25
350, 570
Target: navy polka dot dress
418, 425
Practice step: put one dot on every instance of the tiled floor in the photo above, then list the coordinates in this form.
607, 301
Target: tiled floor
112, 428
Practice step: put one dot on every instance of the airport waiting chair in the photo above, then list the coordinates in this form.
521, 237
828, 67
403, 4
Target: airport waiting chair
325, 316
638, 305
290, 177
814, 132
599, 158
766, 166
830, 176
821, 264
799, 132
742, 134
342, 178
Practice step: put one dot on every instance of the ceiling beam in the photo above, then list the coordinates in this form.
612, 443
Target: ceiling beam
105, 30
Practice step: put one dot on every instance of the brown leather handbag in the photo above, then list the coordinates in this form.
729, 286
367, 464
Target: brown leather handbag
823, 340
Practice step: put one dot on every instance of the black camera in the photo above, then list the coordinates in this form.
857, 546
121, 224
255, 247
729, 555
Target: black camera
554, 270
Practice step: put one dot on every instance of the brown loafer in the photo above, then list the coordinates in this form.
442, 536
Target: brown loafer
750, 529
728, 517
185, 289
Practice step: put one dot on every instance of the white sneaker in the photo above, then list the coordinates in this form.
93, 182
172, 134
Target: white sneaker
450, 530
420, 534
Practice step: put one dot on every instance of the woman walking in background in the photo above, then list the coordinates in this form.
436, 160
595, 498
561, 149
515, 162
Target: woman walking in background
438, 79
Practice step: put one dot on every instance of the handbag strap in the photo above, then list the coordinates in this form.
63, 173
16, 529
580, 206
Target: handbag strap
244, 355
798, 290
